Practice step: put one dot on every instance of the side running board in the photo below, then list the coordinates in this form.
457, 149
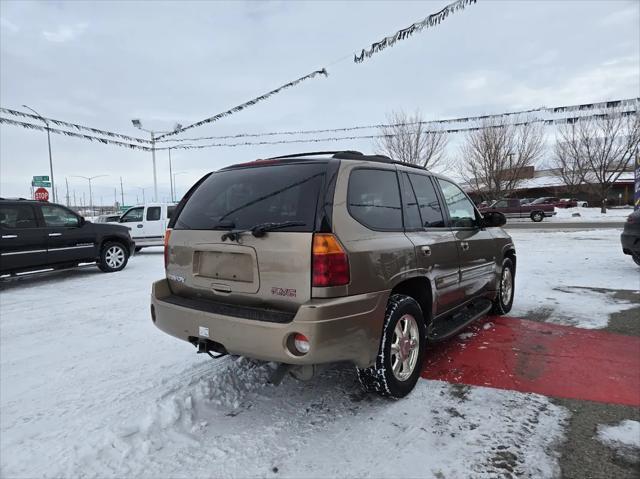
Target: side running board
448, 326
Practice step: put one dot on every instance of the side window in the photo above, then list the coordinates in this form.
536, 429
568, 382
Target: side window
373, 199
501, 204
57, 216
17, 216
153, 213
412, 219
461, 210
170, 211
430, 209
133, 215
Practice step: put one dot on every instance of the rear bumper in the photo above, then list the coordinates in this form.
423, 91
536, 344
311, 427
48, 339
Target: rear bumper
339, 329
630, 243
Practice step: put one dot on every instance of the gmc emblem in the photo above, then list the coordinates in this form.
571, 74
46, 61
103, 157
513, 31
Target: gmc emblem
288, 292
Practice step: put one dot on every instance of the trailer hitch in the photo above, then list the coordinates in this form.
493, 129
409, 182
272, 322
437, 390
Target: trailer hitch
206, 346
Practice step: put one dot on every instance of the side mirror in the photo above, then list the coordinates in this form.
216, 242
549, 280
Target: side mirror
82, 221
492, 219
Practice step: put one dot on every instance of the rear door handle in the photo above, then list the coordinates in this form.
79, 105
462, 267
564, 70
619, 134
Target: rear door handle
55, 234
139, 226
464, 245
426, 250
9, 236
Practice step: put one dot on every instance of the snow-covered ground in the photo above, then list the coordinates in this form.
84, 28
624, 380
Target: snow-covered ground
569, 215
90, 388
582, 215
567, 277
624, 438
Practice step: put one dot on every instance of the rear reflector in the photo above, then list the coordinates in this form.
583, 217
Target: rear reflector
301, 342
330, 263
167, 235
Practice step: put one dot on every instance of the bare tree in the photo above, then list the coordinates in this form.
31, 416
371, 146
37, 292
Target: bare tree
495, 156
565, 161
408, 140
603, 148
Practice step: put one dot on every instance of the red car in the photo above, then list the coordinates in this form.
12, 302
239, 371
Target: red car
570, 203
512, 208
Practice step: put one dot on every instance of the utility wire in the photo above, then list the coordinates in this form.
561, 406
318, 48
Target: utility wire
556, 121
22, 114
551, 110
31, 126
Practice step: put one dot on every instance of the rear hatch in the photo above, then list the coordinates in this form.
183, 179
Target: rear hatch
214, 255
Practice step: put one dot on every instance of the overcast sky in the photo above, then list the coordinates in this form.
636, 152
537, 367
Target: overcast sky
103, 63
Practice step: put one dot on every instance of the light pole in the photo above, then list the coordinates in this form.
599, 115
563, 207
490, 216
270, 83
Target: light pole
174, 183
89, 178
136, 122
143, 196
53, 186
172, 180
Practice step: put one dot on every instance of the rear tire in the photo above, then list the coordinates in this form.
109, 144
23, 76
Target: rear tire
506, 289
537, 216
113, 257
636, 258
399, 361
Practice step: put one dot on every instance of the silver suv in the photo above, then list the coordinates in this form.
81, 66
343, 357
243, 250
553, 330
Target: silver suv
317, 258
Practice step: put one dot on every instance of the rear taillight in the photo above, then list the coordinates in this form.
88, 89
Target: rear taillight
330, 263
167, 235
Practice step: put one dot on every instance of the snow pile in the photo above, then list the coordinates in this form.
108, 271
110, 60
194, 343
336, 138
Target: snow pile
566, 215
570, 277
624, 438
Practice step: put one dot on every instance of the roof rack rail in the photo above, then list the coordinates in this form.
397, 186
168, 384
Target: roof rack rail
315, 153
15, 199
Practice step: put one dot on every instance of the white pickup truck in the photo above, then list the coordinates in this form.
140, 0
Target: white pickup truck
148, 223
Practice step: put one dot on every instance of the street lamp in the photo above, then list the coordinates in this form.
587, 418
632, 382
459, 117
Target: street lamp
53, 186
138, 124
89, 178
143, 196
174, 182
171, 177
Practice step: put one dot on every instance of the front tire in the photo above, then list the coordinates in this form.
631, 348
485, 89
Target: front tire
399, 361
113, 257
537, 216
506, 288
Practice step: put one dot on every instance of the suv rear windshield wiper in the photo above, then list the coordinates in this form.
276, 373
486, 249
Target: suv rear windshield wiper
260, 229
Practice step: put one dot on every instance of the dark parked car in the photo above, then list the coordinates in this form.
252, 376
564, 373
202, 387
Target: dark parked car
630, 237
513, 208
37, 235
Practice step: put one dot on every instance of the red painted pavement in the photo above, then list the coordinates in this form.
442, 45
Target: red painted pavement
541, 358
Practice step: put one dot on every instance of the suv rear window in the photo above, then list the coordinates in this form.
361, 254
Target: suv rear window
242, 198
374, 199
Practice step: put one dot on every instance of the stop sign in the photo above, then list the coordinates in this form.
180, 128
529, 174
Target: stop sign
41, 194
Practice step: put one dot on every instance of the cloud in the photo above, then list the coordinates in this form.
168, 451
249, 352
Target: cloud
8, 26
65, 33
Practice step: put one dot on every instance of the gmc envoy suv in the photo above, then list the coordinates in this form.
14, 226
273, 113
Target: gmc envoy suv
317, 258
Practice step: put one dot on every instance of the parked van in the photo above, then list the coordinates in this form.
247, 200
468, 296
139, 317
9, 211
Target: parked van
148, 223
